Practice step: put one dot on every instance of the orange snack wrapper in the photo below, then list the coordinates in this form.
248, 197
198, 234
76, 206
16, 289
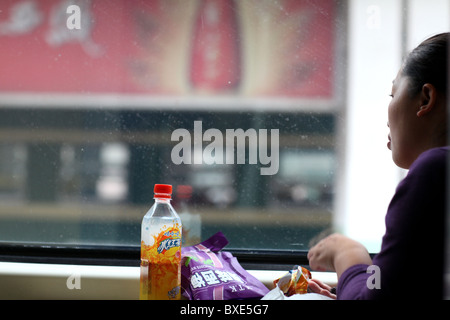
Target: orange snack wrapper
294, 282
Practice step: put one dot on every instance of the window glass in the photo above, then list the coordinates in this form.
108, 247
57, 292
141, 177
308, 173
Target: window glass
243, 106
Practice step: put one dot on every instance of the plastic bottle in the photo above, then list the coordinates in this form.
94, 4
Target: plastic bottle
192, 223
161, 249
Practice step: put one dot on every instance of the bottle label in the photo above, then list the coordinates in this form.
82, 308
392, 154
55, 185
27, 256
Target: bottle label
172, 239
161, 265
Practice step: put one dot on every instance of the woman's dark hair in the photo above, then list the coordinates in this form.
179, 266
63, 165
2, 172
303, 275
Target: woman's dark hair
428, 64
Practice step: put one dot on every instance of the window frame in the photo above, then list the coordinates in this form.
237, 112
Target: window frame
254, 259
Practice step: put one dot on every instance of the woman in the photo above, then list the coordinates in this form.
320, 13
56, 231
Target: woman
415, 220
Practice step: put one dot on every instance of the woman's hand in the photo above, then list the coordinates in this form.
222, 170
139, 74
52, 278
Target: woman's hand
317, 286
337, 253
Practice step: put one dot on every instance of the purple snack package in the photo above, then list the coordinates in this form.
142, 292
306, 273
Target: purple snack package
210, 274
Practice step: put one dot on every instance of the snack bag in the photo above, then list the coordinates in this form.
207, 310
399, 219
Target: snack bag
294, 282
210, 274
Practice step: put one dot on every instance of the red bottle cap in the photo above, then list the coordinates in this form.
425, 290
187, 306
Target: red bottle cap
163, 190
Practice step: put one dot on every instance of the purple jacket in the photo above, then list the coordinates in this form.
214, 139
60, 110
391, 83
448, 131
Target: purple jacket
411, 259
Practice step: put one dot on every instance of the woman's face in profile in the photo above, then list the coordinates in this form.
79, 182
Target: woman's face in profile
403, 123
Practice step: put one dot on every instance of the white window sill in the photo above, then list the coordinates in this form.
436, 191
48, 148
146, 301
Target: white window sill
49, 281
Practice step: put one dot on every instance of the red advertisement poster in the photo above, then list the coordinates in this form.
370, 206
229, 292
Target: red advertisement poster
150, 47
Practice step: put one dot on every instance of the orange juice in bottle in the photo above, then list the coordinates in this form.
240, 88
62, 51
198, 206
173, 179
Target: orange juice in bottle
161, 249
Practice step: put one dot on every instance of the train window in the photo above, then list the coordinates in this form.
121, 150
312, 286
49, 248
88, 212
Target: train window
271, 113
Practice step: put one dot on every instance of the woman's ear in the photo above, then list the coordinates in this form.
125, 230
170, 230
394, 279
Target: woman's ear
428, 97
